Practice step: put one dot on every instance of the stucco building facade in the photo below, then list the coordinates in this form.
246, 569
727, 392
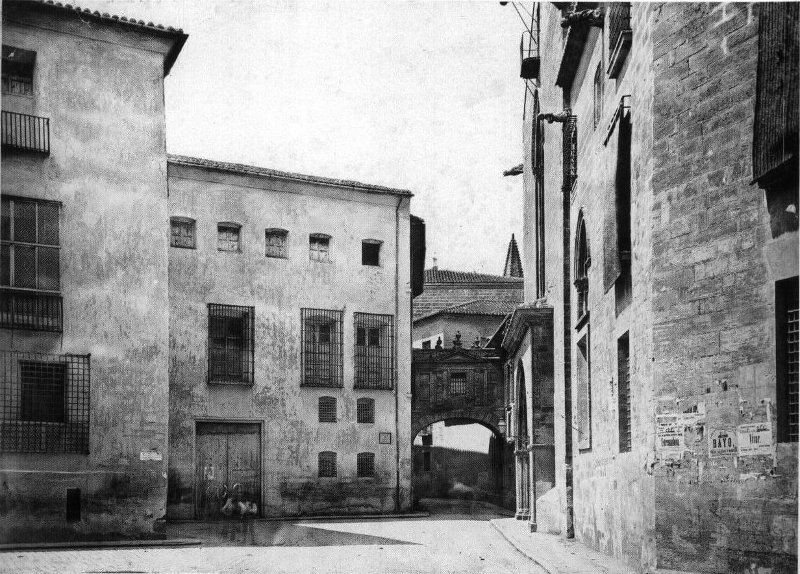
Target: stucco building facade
83, 268
660, 180
290, 328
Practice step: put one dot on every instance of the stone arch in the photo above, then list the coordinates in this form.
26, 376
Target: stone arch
485, 417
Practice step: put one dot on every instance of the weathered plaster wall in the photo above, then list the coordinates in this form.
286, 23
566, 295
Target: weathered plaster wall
278, 288
110, 177
714, 268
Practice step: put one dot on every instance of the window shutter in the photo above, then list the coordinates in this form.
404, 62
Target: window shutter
612, 267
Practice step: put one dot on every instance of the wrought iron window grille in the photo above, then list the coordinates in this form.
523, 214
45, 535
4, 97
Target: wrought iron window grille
321, 348
365, 410
374, 351
230, 344
620, 35
326, 464
44, 402
365, 465
327, 409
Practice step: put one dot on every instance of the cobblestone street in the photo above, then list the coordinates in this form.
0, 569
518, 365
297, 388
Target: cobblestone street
444, 542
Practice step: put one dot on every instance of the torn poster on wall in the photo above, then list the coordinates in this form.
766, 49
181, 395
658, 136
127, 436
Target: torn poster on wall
669, 436
721, 442
754, 439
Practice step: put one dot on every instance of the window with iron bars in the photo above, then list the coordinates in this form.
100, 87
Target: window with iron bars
182, 232
787, 319
374, 351
458, 383
18, 65
326, 464
365, 410
618, 19
30, 274
365, 464
229, 237
624, 393
44, 402
327, 409
230, 344
321, 348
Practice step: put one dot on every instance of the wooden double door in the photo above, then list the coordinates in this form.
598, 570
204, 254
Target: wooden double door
227, 454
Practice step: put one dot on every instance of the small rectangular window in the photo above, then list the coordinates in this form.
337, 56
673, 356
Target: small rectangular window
371, 252
458, 383
426, 461
228, 235
319, 247
327, 409
276, 243
17, 74
365, 410
182, 232
327, 464
624, 393
365, 464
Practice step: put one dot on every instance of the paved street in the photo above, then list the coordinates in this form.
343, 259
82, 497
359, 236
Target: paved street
455, 538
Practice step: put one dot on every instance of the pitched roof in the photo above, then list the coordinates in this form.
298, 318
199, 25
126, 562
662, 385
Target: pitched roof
273, 173
476, 307
107, 18
436, 275
513, 266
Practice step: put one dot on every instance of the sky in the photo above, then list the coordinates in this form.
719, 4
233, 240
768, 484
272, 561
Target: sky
473, 437
424, 96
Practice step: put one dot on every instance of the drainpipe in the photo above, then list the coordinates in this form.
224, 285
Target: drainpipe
397, 346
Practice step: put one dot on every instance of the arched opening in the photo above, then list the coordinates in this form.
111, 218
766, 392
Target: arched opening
458, 465
582, 262
521, 455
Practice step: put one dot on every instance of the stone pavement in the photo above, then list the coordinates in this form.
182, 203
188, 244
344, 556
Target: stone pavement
556, 554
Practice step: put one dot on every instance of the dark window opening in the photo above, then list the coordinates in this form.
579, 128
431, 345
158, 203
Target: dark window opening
458, 383
787, 322
623, 285
17, 74
365, 464
365, 410
321, 348
73, 504
624, 393
426, 461
426, 344
371, 252
326, 463
182, 232
582, 264
374, 351
230, 344
43, 392
327, 409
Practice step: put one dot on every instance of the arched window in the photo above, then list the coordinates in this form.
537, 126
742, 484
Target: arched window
522, 407
326, 464
582, 262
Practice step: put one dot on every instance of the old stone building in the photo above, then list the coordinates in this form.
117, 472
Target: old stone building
656, 355
83, 268
290, 327
472, 304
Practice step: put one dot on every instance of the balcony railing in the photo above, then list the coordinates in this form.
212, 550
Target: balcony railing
44, 402
25, 132
30, 310
619, 32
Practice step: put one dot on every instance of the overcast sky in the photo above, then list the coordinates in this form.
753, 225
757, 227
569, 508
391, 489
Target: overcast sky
418, 95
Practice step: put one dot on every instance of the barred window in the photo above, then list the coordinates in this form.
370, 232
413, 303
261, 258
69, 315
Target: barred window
365, 410
44, 402
365, 464
787, 322
327, 409
374, 351
326, 464
230, 344
18, 71
321, 345
319, 247
458, 383
624, 393
228, 237
371, 252
182, 232
276, 243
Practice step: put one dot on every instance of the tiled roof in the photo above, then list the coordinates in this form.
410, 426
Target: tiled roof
431, 301
178, 34
477, 307
254, 170
436, 275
